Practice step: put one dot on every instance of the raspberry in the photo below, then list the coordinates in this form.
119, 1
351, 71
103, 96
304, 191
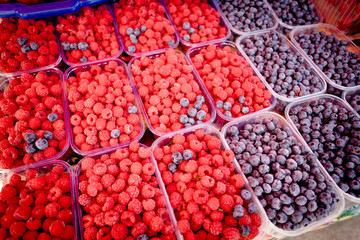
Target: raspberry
87, 163
51, 210
22, 213
216, 228
231, 233
198, 218
135, 206
17, 229
254, 231
37, 183
111, 218
156, 224
138, 229
119, 231
49, 152
226, 203
64, 184
255, 219
57, 228
201, 196
148, 191
244, 220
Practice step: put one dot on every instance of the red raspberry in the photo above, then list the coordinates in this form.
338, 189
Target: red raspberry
57, 228
138, 228
231, 233
51, 210
17, 229
111, 218
118, 231
198, 218
183, 226
135, 206
50, 152
244, 220
66, 216
37, 183
22, 213
255, 219
216, 228
201, 196
254, 231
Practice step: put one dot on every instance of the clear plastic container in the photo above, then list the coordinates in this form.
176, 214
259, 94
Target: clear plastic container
46, 9
187, 45
72, 72
351, 92
283, 100
328, 29
212, 110
272, 229
4, 84
349, 200
118, 36
221, 118
293, 26
208, 129
43, 168
238, 32
78, 172
167, 15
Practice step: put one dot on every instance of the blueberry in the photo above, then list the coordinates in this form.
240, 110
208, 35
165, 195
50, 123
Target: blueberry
219, 104
48, 135
281, 217
191, 121
294, 189
201, 27
142, 237
143, 28
186, 25
244, 110
191, 112
301, 200
177, 157
201, 115
297, 217
171, 43
52, 117
137, 32
83, 46
115, 133
34, 46
133, 39
25, 49
30, 148
191, 31
30, 137
41, 144
227, 106
130, 31
132, 109
198, 105
183, 118
172, 167
227, 114
244, 230
288, 210
73, 46
245, 194
66, 46
184, 102
276, 203
252, 207
238, 211
22, 41
187, 154
131, 48
83, 59
241, 99
186, 37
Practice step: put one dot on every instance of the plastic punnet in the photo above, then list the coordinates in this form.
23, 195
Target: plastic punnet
238, 32
71, 72
167, 15
351, 92
49, 9
272, 229
188, 45
283, 100
293, 26
349, 200
212, 110
208, 129
4, 84
221, 118
328, 29
78, 171
43, 168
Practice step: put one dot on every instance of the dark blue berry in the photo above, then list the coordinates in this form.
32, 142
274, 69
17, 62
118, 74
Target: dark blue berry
245, 230
115, 133
238, 211
22, 41
245, 194
187, 154
83, 59
172, 167
41, 144
48, 135
73, 46
83, 46
30, 148
25, 49
132, 109
131, 48
52, 117
34, 46
142, 237
177, 157
66, 46
30, 137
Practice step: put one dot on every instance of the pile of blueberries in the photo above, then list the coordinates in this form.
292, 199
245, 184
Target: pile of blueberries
82, 46
354, 100
191, 31
22, 41
333, 134
247, 15
330, 54
299, 12
285, 176
34, 144
284, 69
188, 119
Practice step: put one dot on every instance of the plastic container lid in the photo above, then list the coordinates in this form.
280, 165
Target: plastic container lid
4, 84
78, 172
293, 26
238, 32
139, 54
48, 9
84, 67
212, 110
195, 50
293, 49
351, 92
43, 168
272, 229
188, 44
208, 129
350, 200
328, 29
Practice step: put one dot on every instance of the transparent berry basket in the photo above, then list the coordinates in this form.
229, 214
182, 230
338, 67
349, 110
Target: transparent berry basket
220, 117
349, 199
351, 92
282, 100
328, 29
293, 26
72, 72
186, 45
272, 229
116, 24
238, 32
4, 84
46, 9
118, 37
212, 110
77, 173
208, 129
43, 168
